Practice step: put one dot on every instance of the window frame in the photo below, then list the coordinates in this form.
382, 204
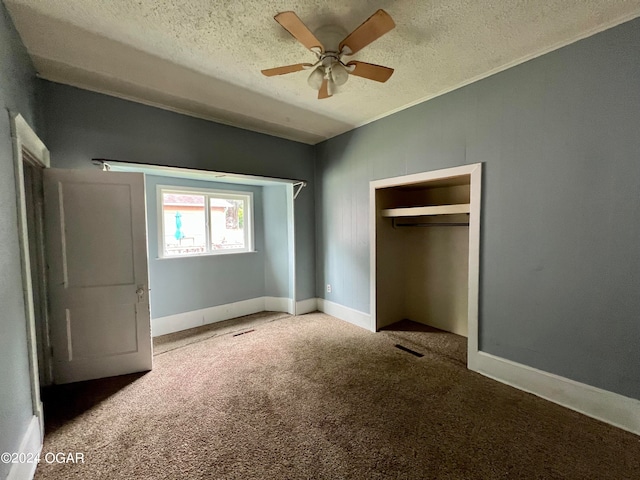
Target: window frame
208, 193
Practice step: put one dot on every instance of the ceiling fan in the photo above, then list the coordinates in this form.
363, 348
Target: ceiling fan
329, 71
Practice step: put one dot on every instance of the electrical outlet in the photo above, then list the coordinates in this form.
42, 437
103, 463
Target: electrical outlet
328, 288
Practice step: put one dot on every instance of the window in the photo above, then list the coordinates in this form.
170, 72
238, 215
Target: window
205, 222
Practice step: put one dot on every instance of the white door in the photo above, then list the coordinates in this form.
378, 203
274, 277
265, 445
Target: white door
98, 282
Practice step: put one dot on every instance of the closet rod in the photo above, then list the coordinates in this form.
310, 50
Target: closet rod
433, 224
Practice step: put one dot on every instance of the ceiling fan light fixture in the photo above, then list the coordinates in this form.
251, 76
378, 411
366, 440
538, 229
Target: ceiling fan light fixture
339, 74
331, 87
316, 77
329, 72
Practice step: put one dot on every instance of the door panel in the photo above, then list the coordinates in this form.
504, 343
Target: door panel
97, 258
93, 207
96, 331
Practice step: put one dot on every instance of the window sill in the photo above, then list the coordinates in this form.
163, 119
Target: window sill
200, 255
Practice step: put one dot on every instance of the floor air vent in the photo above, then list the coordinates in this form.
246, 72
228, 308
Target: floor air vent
242, 333
408, 350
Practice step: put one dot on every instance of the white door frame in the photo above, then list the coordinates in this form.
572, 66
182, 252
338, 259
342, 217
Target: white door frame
24, 138
475, 172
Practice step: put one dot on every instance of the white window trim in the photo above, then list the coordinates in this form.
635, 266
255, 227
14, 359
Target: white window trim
208, 192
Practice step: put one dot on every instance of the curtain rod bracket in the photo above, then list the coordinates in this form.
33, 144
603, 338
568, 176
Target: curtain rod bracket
101, 164
297, 187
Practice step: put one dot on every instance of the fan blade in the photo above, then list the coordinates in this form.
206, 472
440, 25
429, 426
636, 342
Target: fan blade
324, 90
270, 72
292, 24
371, 71
373, 28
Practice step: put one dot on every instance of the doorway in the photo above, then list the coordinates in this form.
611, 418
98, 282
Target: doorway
34, 203
425, 251
31, 156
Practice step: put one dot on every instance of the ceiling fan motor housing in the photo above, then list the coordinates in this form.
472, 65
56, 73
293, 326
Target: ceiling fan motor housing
330, 65
331, 36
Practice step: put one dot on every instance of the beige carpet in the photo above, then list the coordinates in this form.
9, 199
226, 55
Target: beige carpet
312, 397
166, 343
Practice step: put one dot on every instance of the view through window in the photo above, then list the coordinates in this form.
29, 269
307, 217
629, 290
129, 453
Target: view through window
205, 222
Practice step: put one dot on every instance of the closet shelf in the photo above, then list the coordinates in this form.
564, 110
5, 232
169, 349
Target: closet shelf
420, 211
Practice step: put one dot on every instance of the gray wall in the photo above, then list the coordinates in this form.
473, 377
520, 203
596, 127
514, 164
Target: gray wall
184, 284
276, 248
82, 125
559, 137
17, 87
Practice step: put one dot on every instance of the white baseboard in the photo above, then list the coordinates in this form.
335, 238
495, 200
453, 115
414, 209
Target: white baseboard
30, 447
205, 316
618, 410
306, 306
278, 304
347, 314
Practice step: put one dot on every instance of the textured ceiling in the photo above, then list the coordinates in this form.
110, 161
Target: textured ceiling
203, 57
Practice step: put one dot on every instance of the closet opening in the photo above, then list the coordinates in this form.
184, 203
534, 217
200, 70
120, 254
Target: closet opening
425, 253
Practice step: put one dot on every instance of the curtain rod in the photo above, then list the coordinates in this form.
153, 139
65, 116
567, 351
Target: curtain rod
427, 224
105, 164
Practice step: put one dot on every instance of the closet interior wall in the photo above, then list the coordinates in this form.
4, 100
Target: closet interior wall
422, 271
